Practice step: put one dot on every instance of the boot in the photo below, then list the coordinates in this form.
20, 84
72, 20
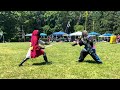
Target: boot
99, 62
45, 57
23, 61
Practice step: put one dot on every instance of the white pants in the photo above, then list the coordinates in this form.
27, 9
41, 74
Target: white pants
28, 55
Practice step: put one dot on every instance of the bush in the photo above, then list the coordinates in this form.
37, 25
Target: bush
27, 39
78, 28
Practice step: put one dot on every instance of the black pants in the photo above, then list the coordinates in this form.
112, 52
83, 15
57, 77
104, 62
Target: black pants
84, 53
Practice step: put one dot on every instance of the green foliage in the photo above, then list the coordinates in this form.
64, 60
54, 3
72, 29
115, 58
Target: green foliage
58, 27
46, 28
78, 28
55, 21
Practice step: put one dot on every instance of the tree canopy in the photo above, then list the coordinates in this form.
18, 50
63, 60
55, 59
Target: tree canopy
13, 23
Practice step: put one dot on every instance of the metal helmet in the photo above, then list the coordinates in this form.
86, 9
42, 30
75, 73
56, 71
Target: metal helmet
84, 33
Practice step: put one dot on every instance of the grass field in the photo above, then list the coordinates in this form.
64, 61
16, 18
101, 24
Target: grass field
63, 65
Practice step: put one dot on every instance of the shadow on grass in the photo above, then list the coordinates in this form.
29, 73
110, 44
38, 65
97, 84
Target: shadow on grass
90, 61
42, 63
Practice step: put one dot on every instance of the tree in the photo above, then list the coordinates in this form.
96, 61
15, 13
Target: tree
11, 22
46, 28
78, 28
86, 17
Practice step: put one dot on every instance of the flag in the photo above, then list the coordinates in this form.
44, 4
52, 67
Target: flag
68, 25
23, 34
1, 34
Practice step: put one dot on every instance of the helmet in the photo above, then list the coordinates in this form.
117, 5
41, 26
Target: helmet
84, 33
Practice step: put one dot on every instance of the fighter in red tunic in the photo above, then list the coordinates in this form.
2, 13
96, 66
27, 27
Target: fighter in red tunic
35, 50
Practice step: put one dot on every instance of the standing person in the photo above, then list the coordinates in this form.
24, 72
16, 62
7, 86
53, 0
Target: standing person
89, 48
48, 39
118, 38
35, 50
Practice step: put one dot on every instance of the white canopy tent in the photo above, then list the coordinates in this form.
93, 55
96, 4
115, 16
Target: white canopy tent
101, 36
76, 34
29, 34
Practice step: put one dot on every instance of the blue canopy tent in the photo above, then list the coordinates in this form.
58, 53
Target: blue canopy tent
107, 35
60, 33
43, 34
93, 33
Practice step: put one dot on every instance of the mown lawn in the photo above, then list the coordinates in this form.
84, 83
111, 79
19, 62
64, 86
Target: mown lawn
63, 65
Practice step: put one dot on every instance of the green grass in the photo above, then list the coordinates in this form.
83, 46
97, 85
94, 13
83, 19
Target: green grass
64, 66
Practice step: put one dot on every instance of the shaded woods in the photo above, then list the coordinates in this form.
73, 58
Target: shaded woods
15, 24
